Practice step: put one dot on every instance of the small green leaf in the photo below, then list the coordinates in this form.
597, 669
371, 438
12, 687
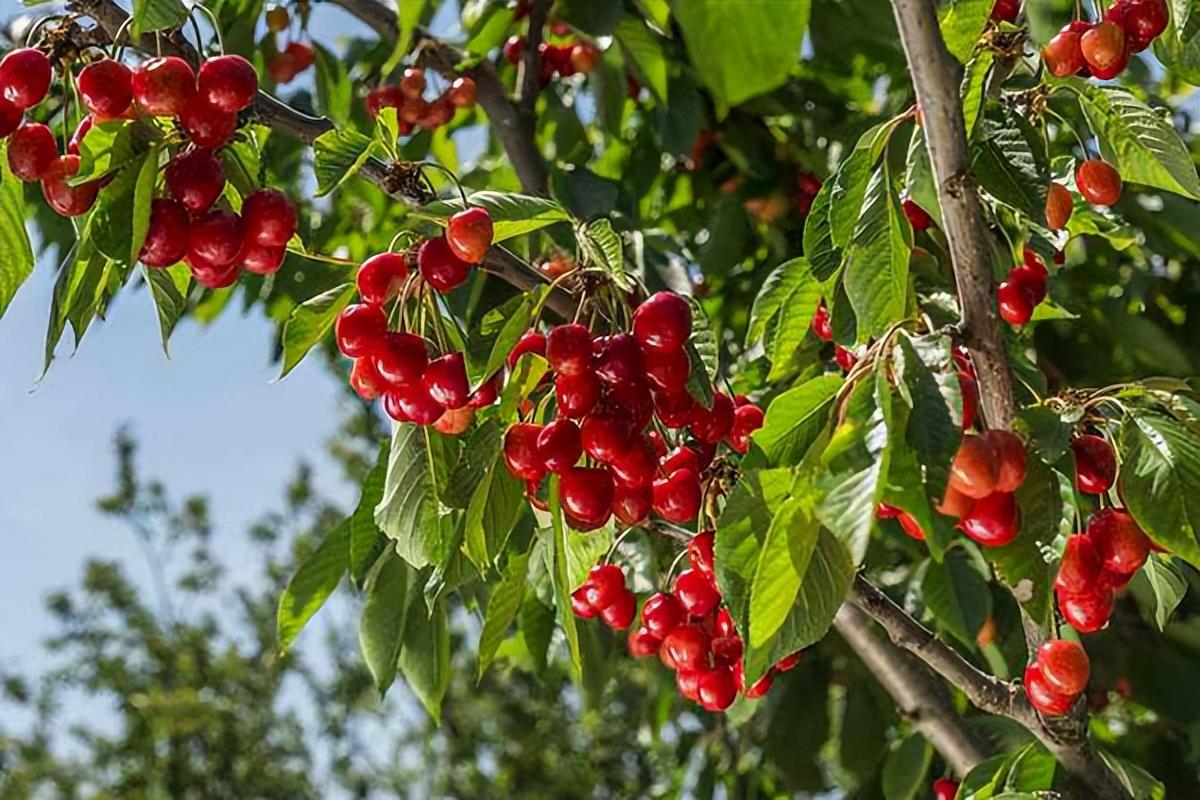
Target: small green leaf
876, 277
337, 155
564, 581
310, 322
783, 311
782, 563
795, 418
157, 15
409, 511
143, 196
703, 356
384, 615
366, 540
168, 289
644, 52
1004, 161
1159, 589
503, 603
312, 585
957, 595
602, 249
1160, 480
962, 25
425, 657
906, 768
16, 252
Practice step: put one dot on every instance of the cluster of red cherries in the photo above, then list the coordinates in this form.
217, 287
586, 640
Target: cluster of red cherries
1057, 676
822, 328
608, 391
412, 109
688, 628
1023, 289
987, 469
561, 60
396, 365
1102, 49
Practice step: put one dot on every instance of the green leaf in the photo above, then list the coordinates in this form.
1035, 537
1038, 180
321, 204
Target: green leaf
16, 252
745, 48
644, 52
496, 499
1003, 159
503, 603
782, 313
1160, 480
876, 278
1140, 784
335, 90
563, 579
962, 25
168, 289
366, 540
425, 657
384, 615
312, 585
512, 214
309, 323
906, 768
516, 321
409, 511
337, 155
957, 595
919, 181
782, 563
850, 184
925, 371
824, 257
703, 355
795, 418
143, 195
602, 248
1159, 589
1020, 564
157, 15
974, 89
1142, 143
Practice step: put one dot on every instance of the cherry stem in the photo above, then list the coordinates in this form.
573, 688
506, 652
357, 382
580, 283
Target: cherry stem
118, 42
612, 548
212, 19
449, 173
671, 569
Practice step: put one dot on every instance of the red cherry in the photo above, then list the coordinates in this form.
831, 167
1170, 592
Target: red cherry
462, 92
1010, 455
580, 606
717, 689
261, 259
216, 236
642, 643
1081, 565
687, 681
365, 380
1095, 464
269, 218
632, 400
1087, 612
513, 49
469, 234
636, 465
667, 370
845, 358
1063, 56
227, 83
381, 276
206, 126
400, 358
440, 267
360, 330
663, 322
619, 361
686, 648
682, 456
10, 117
700, 553
164, 86
1103, 46
382, 97
106, 88
711, 425
31, 151
214, 276
605, 436
993, 521
677, 496
955, 503
631, 504
788, 663
918, 218
302, 53
662, 613
605, 584
969, 388
64, 199
1064, 665
1030, 279
521, 454
727, 649
1144, 20
674, 409
1014, 303
1059, 206
446, 381
418, 403
1042, 697
945, 789
167, 236
821, 325
1098, 182
587, 493
412, 83
569, 349
975, 468
910, 526
619, 614
696, 592
558, 445
576, 394
196, 179
1122, 546
760, 688
1005, 10
530, 342
746, 420
25, 76
487, 393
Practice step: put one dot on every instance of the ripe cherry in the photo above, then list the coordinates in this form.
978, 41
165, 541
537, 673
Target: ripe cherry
454, 421
674, 409
1144, 20
261, 259
166, 240
619, 614
975, 468
1031, 275
662, 322
945, 789
227, 83
65, 199
440, 267
700, 553
462, 92
1087, 612
686, 648
206, 126
760, 688
418, 404
1042, 696
576, 395
400, 358
746, 420
520, 451
196, 179
1064, 665
1103, 46
1005, 10
530, 342
569, 349
1095, 464
1059, 206
381, 97
918, 217
604, 585
955, 503
10, 117
487, 393
214, 276
696, 592
677, 496
687, 683
716, 689
605, 435
365, 380
619, 361
31, 151
636, 464
25, 76
969, 387
412, 82
1013, 301
642, 643
269, 218
1063, 56
844, 357
587, 493
381, 276
1010, 455
1122, 546
360, 330
216, 236
993, 521
559, 446
711, 425
580, 606
446, 381
631, 504
1081, 566
821, 325
1098, 182
106, 88
662, 613
667, 370
164, 86
469, 234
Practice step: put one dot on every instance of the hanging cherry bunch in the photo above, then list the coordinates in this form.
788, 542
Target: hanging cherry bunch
575, 57
1023, 290
1098, 182
294, 57
1102, 49
609, 390
1057, 676
687, 627
418, 382
412, 109
987, 469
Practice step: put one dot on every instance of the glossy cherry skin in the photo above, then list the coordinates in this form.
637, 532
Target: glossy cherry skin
605, 436
462, 92
381, 277
969, 387
360, 330
677, 496
642, 643
520, 451
1010, 454
662, 613
216, 236
206, 126
844, 357
918, 217
619, 361
746, 420
446, 381
106, 88
195, 179
25, 76
269, 218
716, 689
1103, 46
760, 689
700, 553
261, 259
619, 614
1095, 464
440, 267
696, 592
569, 349
605, 584
1042, 696
685, 648
1098, 182
576, 395
559, 446
1122, 546
1013, 303
662, 322
821, 325
636, 465
1064, 665
975, 468
418, 404
993, 521
31, 151
400, 358
214, 276
1059, 206
1087, 612
1079, 571
674, 409
530, 342
227, 83
365, 380
487, 393
945, 789
631, 504
955, 503
587, 493
1063, 55
1005, 10
166, 240
1145, 20
667, 370
469, 234
64, 199
164, 86
711, 425
10, 117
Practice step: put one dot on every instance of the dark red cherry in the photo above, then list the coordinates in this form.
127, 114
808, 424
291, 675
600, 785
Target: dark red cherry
530, 342
662, 322
446, 380
65, 199
711, 425
360, 330
269, 218
558, 445
31, 151
106, 88
587, 493
469, 234
227, 83
164, 86
636, 464
619, 361
1064, 664
642, 643
1098, 182
195, 179
605, 436
918, 217
969, 387
993, 521
1005, 10
400, 358
569, 349
619, 614
631, 504
462, 92
440, 268
487, 393
25, 76
521, 454
10, 117
417, 403
1089, 611
216, 236
686, 648
382, 97
261, 259
513, 48
1122, 546
677, 496
1042, 697
166, 240
381, 277
667, 370
214, 276
821, 325
945, 789
662, 613
1081, 565
576, 394
681, 456
700, 553
1095, 464
206, 126
716, 688
1145, 20
696, 592
605, 584
761, 688
674, 409
633, 400
1014, 303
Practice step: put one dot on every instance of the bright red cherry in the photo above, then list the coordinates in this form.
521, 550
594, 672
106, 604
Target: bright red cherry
975, 468
662, 613
65, 199
845, 358
642, 643
711, 425
700, 553
25, 76
761, 688
1014, 303
636, 465
605, 584
446, 380
1081, 566
631, 504
696, 592
674, 409
487, 393
462, 92
1098, 182
821, 325
662, 322
1122, 546
1010, 455
1064, 665
365, 380
746, 420
1059, 205
227, 83
530, 342
687, 681
360, 330
31, 151
216, 236
918, 217
164, 86
261, 259
381, 277
469, 234
667, 370
1095, 464
559, 446
1087, 612
569, 349
521, 454
945, 789
1042, 697
10, 117
440, 267
417, 403
106, 88
587, 493
196, 179
686, 648
716, 688
167, 236
1005, 10
677, 496
619, 361
214, 276
269, 218
576, 394
619, 614
1063, 56
1145, 20
969, 387
1103, 46
400, 358
206, 126
513, 49
412, 82
605, 436
993, 521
